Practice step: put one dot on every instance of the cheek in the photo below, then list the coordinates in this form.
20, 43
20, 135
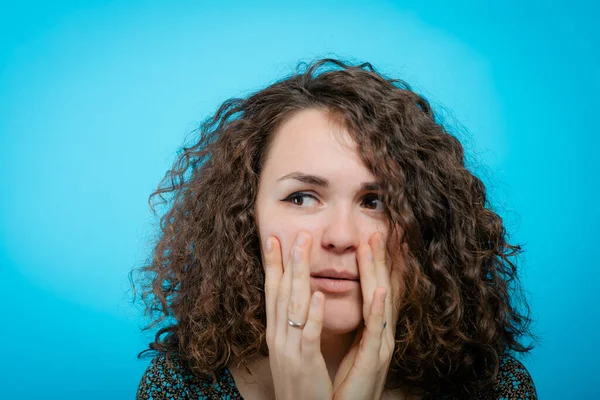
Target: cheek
285, 230
286, 233
370, 228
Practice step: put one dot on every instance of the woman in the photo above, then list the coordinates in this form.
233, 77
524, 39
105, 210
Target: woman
325, 240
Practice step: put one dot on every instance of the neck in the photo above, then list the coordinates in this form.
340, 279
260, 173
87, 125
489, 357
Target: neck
334, 347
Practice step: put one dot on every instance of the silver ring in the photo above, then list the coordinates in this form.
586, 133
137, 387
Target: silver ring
295, 324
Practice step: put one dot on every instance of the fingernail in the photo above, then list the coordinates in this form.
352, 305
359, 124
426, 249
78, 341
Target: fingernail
381, 242
269, 245
301, 239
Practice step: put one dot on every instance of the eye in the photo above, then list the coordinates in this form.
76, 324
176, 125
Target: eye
298, 198
371, 201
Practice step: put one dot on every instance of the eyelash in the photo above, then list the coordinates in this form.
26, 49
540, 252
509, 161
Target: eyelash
297, 195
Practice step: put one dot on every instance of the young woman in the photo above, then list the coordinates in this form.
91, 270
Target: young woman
325, 240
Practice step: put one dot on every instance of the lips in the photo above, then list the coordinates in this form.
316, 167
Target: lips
335, 274
330, 285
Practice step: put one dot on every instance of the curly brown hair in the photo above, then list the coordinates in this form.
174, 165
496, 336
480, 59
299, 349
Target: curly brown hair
460, 310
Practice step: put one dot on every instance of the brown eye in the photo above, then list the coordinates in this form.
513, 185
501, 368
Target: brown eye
298, 198
373, 202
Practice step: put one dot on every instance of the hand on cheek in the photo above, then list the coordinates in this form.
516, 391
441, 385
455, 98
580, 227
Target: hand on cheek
294, 323
363, 370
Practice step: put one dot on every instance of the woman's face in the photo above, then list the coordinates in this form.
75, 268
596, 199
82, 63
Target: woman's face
337, 206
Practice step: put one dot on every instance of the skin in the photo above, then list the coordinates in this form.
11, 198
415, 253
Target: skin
339, 220
343, 224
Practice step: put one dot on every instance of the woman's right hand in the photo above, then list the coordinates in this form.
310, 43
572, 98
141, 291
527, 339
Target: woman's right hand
297, 365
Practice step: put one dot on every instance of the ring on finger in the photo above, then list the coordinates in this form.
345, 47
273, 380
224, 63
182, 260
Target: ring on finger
295, 324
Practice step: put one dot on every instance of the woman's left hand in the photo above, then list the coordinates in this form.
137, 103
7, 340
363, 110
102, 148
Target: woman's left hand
363, 371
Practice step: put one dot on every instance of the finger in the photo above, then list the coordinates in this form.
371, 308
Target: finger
383, 272
311, 335
283, 298
300, 294
273, 275
368, 276
371, 344
396, 261
396, 285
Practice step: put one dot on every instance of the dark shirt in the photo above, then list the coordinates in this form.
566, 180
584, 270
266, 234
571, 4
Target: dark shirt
163, 380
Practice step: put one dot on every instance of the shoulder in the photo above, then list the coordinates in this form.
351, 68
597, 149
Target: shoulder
169, 378
512, 382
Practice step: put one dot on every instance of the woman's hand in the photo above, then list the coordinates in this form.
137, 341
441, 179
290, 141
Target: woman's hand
363, 371
297, 365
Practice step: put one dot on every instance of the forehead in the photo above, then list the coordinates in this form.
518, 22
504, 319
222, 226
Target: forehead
313, 141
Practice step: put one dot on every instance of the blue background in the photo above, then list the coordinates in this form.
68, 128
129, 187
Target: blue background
97, 97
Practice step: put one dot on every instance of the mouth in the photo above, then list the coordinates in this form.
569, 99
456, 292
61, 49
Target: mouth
336, 274
334, 285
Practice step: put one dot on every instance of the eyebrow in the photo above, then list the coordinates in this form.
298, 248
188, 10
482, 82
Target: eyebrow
324, 183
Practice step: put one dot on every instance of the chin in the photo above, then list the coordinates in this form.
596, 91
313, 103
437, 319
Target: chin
342, 315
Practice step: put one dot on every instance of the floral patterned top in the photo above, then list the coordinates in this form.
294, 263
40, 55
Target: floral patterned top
171, 380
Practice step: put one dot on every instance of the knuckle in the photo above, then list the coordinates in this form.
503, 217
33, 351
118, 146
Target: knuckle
299, 273
315, 318
294, 306
283, 293
270, 265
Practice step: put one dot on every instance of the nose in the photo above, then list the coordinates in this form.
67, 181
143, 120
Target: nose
341, 233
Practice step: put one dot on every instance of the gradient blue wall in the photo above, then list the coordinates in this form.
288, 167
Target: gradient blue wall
96, 98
